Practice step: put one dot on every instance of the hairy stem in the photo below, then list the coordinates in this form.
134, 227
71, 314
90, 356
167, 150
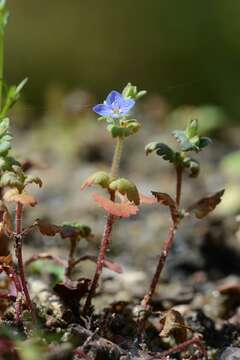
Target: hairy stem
179, 172
167, 245
71, 259
1, 66
182, 347
107, 230
161, 262
18, 246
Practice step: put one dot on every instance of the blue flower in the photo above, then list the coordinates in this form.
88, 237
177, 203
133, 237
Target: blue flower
115, 106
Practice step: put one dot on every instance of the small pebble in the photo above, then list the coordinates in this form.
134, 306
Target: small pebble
230, 353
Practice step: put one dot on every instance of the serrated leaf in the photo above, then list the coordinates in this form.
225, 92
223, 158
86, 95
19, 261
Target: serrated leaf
13, 195
99, 178
206, 205
185, 143
10, 179
125, 209
33, 180
167, 200
162, 150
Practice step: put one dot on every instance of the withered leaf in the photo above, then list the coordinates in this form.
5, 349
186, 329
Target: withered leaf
167, 200
124, 209
13, 195
47, 229
174, 325
6, 230
205, 205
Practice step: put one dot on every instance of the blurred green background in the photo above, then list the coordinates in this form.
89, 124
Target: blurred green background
187, 51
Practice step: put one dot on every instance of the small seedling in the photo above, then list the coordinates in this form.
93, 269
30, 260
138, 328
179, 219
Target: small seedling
189, 141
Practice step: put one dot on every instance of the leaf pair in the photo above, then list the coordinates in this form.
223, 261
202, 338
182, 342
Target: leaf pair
200, 208
121, 185
66, 231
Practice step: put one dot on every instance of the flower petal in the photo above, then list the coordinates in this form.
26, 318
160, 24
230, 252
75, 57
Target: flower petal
127, 105
112, 97
102, 109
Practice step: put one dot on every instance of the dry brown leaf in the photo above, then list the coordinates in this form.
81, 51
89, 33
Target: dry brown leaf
167, 200
174, 325
205, 205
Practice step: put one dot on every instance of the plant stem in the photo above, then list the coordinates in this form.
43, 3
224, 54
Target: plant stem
1, 66
161, 262
19, 213
179, 172
167, 245
71, 260
107, 230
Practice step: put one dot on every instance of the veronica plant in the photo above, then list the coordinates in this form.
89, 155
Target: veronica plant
189, 141
13, 182
115, 112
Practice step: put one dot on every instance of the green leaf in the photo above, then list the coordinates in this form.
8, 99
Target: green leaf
185, 143
126, 187
4, 147
10, 179
117, 131
193, 166
85, 230
192, 129
162, 150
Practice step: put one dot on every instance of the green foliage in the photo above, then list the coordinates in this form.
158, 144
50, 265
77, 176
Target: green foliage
85, 230
4, 14
189, 139
131, 91
124, 128
126, 187
13, 95
162, 150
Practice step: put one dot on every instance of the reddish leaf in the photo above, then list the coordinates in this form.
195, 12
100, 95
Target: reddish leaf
205, 205
125, 209
13, 195
167, 200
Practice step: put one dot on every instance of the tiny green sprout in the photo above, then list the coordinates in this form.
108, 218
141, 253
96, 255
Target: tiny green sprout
189, 139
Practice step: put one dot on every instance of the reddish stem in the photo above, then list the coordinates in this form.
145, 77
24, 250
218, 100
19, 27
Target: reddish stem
178, 184
181, 347
18, 245
13, 276
101, 257
161, 262
167, 245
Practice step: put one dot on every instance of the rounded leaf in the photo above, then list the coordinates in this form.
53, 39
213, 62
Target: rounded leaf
126, 187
